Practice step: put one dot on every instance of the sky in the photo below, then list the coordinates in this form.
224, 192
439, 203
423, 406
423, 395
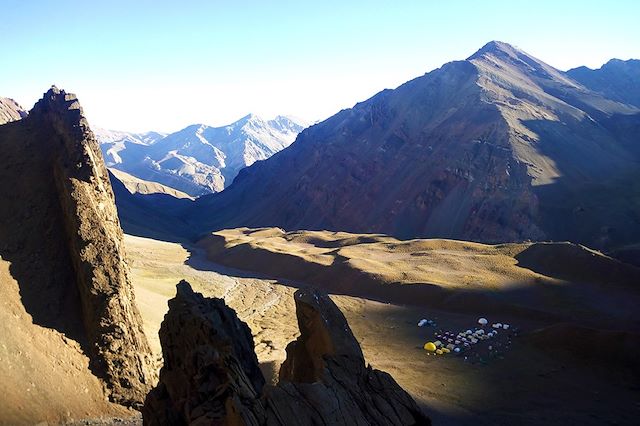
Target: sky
141, 65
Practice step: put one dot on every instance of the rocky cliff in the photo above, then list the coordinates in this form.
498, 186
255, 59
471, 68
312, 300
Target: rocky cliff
211, 374
60, 231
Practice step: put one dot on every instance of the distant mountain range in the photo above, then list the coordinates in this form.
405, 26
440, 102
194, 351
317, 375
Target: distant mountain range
498, 147
10, 110
198, 159
617, 80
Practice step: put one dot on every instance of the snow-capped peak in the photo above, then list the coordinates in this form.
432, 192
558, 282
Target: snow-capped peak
200, 158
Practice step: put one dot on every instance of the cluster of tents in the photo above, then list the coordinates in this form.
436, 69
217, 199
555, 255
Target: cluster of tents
448, 342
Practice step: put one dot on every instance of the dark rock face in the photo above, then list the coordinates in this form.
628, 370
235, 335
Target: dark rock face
69, 257
325, 373
323, 332
211, 373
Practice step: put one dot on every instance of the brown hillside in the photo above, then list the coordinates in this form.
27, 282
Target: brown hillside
554, 281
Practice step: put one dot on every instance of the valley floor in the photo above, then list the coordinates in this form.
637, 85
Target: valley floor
526, 384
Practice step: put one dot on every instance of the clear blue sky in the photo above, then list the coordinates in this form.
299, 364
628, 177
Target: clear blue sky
142, 65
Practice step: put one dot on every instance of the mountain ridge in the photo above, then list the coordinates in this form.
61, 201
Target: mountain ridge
138, 186
10, 110
472, 150
201, 159
616, 78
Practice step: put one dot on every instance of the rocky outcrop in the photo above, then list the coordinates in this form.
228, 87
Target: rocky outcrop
325, 379
211, 375
10, 110
210, 370
69, 259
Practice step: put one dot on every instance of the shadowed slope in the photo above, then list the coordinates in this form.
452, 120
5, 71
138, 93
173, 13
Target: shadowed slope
155, 216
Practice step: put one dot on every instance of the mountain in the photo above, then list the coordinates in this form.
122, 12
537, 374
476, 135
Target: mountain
112, 142
72, 336
10, 110
616, 80
498, 147
155, 215
139, 186
199, 159
113, 136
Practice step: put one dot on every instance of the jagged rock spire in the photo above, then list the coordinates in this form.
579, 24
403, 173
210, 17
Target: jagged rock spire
119, 350
211, 375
